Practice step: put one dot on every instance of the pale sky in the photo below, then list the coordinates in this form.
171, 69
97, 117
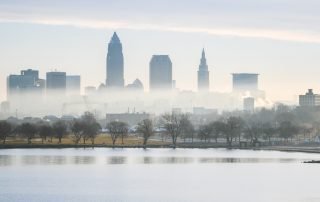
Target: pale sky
279, 39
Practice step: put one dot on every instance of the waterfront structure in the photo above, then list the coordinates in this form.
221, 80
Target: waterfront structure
27, 82
160, 73
73, 83
245, 82
248, 104
203, 74
309, 99
115, 66
56, 81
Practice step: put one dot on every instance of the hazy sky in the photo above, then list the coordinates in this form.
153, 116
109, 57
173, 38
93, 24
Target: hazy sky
279, 39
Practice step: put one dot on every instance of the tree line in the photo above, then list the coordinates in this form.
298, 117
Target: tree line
266, 125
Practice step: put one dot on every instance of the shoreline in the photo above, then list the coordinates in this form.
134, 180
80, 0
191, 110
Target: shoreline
302, 149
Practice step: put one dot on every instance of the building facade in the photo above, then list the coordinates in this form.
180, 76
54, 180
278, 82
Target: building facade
115, 66
56, 81
245, 82
309, 99
248, 104
73, 84
203, 74
27, 82
160, 73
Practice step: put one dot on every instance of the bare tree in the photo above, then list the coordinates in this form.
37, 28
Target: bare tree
45, 130
28, 130
205, 131
187, 129
60, 130
233, 129
269, 131
5, 130
217, 129
117, 129
253, 131
77, 131
288, 130
145, 128
90, 127
173, 125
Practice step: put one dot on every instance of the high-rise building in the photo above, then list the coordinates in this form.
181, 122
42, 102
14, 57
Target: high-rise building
115, 72
73, 83
160, 73
248, 104
28, 81
203, 74
245, 82
56, 81
309, 99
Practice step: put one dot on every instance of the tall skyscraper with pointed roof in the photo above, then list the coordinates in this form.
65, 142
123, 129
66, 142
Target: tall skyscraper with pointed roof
115, 72
203, 74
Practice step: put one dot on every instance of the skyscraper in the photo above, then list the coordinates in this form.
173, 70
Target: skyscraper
203, 74
245, 82
56, 81
28, 81
115, 77
160, 73
73, 83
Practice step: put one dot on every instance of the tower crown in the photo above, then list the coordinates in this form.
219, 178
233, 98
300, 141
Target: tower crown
115, 38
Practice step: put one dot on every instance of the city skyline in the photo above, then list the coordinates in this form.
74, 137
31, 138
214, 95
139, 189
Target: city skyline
284, 52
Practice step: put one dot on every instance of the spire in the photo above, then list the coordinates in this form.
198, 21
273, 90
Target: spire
115, 38
203, 54
203, 61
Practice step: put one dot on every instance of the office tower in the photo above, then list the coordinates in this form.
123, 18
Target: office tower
27, 82
115, 72
56, 81
203, 74
73, 83
160, 73
248, 104
245, 82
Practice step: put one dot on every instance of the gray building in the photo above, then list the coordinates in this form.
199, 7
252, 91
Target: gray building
248, 104
130, 118
244, 82
115, 67
203, 74
73, 83
28, 81
135, 85
160, 73
56, 81
309, 99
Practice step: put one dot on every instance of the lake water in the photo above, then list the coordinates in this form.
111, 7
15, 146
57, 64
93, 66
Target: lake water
196, 175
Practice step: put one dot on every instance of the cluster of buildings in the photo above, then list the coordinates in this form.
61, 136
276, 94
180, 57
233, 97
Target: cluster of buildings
60, 85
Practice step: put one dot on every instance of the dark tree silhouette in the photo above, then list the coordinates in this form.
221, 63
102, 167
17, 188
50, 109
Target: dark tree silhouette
117, 129
5, 130
145, 128
60, 130
28, 130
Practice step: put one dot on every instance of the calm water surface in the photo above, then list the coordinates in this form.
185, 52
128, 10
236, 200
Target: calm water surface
103, 174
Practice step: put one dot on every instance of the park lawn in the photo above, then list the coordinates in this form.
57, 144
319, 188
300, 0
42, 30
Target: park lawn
102, 139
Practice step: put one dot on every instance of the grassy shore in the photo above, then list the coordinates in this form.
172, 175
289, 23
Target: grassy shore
135, 142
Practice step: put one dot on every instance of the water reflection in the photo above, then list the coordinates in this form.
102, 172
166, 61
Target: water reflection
117, 160
8, 160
